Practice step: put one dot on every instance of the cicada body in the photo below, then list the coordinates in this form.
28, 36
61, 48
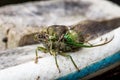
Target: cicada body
59, 39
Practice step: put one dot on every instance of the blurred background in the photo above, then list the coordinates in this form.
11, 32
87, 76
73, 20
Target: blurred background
109, 75
6, 2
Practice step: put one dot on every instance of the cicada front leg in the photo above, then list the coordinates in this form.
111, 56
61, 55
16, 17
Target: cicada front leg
39, 49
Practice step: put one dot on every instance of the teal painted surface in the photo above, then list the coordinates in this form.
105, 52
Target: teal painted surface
93, 67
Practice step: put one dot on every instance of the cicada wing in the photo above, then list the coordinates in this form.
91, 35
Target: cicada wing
92, 29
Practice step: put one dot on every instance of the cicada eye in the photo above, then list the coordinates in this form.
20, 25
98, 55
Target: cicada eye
42, 36
39, 36
36, 37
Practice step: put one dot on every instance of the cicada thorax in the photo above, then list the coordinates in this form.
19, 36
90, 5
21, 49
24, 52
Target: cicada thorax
79, 36
57, 30
72, 40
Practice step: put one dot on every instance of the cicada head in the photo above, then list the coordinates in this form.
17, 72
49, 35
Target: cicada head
42, 36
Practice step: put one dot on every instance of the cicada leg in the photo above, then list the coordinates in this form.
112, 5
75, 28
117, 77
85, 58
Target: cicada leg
57, 63
50, 49
89, 43
66, 55
52, 52
39, 49
106, 41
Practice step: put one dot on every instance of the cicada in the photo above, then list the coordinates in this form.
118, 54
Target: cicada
60, 39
